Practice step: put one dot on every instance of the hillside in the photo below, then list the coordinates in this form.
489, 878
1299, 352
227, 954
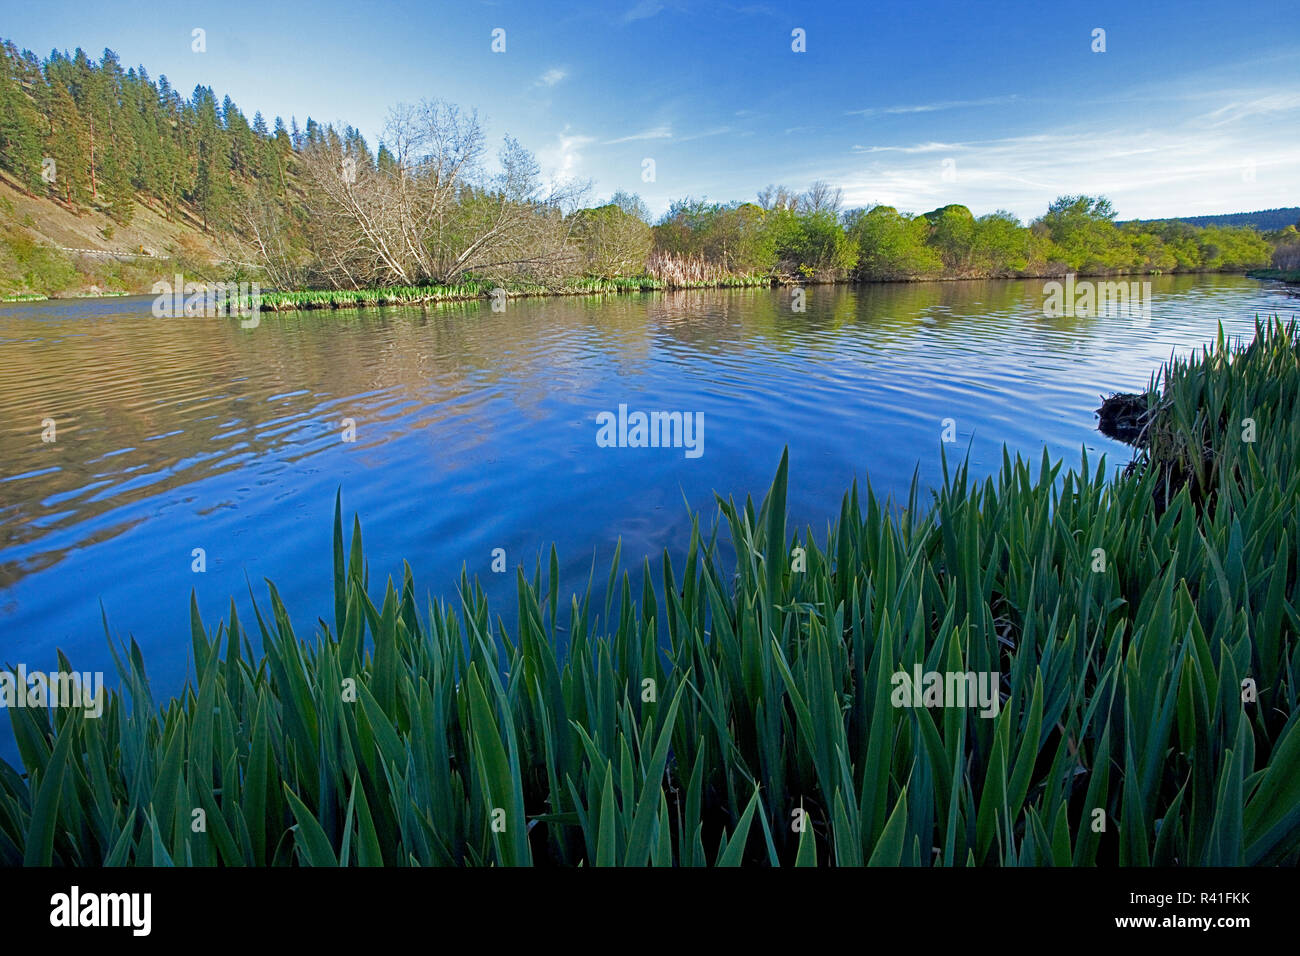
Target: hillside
47, 248
1265, 220
107, 170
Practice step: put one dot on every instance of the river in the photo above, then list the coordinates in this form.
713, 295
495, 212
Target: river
477, 430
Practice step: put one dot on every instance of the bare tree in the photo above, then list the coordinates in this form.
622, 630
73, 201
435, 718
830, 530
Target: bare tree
432, 214
263, 236
632, 204
511, 226
822, 197
777, 197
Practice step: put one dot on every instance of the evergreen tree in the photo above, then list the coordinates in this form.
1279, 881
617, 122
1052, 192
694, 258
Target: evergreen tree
20, 123
212, 192
66, 143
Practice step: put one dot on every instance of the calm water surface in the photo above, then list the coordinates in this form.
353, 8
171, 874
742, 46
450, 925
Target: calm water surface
476, 430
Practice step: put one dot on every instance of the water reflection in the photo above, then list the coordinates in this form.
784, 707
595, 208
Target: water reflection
476, 430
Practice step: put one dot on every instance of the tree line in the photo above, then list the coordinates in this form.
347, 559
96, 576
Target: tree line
317, 207
95, 135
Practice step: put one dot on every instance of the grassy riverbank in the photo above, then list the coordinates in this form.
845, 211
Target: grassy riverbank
692, 717
474, 290
465, 291
1282, 275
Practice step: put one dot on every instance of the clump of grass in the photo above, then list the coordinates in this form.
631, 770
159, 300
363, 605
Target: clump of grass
688, 719
1199, 416
713, 278
388, 295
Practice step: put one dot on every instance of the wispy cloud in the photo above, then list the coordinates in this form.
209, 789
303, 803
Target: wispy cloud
642, 11
658, 132
917, 148
1144, 172
719, 131
1284, 102
551, 77
932, 107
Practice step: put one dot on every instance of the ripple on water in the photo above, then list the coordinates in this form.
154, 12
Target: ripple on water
476, 430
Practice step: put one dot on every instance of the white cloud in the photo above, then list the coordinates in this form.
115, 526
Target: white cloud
1218, 145
643, 10
563, 158
551, 77
1146, 173
931, 107
1265, 105
918, 148
658, 132
719, 131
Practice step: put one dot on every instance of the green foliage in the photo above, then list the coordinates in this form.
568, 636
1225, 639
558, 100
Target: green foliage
952, 235
810, 243
613, 241
478, 289
1083, 234
20, 123
1001, 246
686, 721
892, 245
738, 237
747, 239
1229, 247
32, 267
116, 134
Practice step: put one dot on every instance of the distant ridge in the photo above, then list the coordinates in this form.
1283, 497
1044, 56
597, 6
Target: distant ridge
1265, 220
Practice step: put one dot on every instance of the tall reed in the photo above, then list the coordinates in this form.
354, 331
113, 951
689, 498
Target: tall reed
693, 272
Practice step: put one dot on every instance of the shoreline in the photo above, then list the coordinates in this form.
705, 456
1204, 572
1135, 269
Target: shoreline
366, 298
1286, 276
330, 300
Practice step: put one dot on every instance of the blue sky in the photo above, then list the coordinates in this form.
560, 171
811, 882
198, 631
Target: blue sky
1193, 108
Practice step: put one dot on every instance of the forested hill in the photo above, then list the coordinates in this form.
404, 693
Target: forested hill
1265, 220
97, 135
106, 159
